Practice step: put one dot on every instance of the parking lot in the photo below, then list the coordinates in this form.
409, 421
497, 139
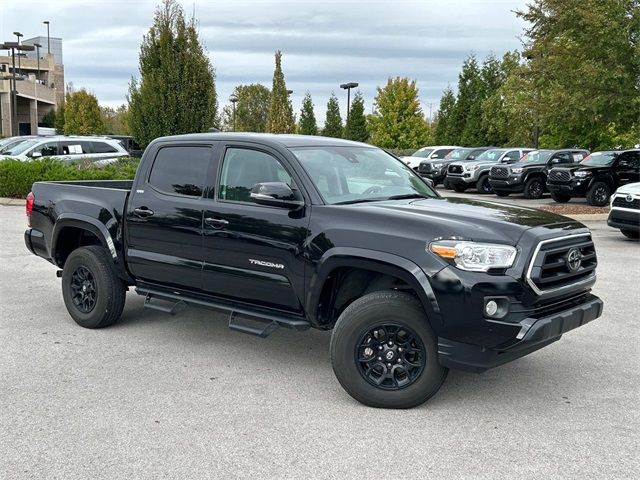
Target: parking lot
159, 396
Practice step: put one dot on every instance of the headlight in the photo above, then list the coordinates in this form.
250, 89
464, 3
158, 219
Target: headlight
470, 168
474, 257
437, 165
582, 174
517, 170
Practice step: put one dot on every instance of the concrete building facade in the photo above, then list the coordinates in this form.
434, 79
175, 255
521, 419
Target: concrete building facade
39, 86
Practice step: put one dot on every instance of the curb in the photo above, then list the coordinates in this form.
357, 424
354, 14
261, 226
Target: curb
11, 201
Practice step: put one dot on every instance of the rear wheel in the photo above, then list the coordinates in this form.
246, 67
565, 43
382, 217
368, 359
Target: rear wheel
560, 197
92, 292
501, 193
632, 234
384, 352
483, 185
534, 188
598, 194
459, 187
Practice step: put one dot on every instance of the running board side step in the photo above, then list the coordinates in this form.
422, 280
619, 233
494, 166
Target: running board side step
241, 319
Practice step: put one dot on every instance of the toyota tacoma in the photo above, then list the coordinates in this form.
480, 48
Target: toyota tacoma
310, 232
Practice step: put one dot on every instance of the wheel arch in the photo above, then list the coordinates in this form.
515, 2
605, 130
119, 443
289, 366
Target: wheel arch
383, 267
68, 226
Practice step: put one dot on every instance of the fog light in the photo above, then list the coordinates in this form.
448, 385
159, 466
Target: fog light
491, 308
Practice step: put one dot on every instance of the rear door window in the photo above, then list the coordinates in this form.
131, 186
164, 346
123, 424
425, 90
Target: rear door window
103, 147
46, 149
180, 170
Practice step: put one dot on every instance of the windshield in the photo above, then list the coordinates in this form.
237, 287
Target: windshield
491, 155
359, 174
599, 158
19, 148
458, 154
423, 153
537, 156
11, 144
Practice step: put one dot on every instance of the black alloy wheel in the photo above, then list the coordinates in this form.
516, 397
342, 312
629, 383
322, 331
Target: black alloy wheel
390, 356
83, 287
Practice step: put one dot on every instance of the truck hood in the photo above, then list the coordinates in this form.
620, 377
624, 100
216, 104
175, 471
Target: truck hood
477, 220
629, 189
480, 163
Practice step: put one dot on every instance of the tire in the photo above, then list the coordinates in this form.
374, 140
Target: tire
459, 187
632, 234
560, 197
534, 188
483, 186
598, 195
93, 268
446, 184
395, 310
501, 193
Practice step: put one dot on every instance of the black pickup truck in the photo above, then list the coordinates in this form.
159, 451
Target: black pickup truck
596, 177
529, 175
311, 232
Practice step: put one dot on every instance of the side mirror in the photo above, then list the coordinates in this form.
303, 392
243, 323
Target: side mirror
434, 155
36, 155
276, 194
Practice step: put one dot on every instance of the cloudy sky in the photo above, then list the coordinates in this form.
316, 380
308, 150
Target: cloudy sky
324, 43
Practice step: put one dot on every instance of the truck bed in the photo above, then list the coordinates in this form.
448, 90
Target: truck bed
111, 184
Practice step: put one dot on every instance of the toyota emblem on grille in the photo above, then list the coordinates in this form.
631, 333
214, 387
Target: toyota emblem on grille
629, 198
573, 259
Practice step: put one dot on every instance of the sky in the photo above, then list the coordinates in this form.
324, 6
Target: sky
324, 43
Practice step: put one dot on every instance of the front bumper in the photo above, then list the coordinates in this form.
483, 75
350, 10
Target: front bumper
625, 219
465, 178
577, 188
435, 175
510, 184
534, 333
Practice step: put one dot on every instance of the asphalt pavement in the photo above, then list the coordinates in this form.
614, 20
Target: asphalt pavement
159, 396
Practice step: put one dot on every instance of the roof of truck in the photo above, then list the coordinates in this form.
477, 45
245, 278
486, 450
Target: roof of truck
286, 140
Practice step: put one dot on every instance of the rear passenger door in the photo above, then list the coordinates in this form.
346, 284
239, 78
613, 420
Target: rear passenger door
164, 215
253, 253
628, 168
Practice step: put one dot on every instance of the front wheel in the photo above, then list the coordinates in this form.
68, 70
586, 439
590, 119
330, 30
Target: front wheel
384, 353
501, 193
598, 194
534, 188
459, 187
483, 185
92, 292
632, 234
560, 197
446, 184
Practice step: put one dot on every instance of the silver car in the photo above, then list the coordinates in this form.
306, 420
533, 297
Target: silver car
67, 149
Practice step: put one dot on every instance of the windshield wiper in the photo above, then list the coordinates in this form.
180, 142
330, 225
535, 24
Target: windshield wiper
360, 200
407, 195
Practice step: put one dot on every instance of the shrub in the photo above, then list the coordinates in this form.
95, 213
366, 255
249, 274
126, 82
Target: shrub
16, 177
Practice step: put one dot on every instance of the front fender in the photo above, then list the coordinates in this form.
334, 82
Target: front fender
377, 261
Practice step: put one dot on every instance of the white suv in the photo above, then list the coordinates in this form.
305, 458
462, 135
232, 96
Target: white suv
427, 153
625, 210
68, 149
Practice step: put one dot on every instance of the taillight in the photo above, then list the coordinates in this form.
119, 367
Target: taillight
29, 207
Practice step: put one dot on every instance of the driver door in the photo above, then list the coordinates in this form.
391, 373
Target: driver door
253, 252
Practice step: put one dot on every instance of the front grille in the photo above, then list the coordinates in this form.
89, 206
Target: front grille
559, 175
622, 202
455, 169
555, 267
424, 168
499, 172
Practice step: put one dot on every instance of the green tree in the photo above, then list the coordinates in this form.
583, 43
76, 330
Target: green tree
176, 90
116, 120
307, 125
398, 121
356, 128
333, 121
82, 114
469, 86
280, 118
252, 109
49, 119
583, 60
59, 119
441, 130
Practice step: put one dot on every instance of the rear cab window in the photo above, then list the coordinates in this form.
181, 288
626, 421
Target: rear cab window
180, 170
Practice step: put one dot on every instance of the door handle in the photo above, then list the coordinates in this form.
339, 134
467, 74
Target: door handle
143, 212
216, 222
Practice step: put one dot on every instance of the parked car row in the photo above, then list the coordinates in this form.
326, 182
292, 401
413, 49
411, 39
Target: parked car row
68, 148
564, 173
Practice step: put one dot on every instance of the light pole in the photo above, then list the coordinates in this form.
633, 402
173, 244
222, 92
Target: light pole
348, 87
38, 47
46, 22
18, 34
234, 99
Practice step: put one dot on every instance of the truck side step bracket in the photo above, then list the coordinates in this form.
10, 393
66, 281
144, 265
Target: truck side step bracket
261, 323
253, 326
171, 310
